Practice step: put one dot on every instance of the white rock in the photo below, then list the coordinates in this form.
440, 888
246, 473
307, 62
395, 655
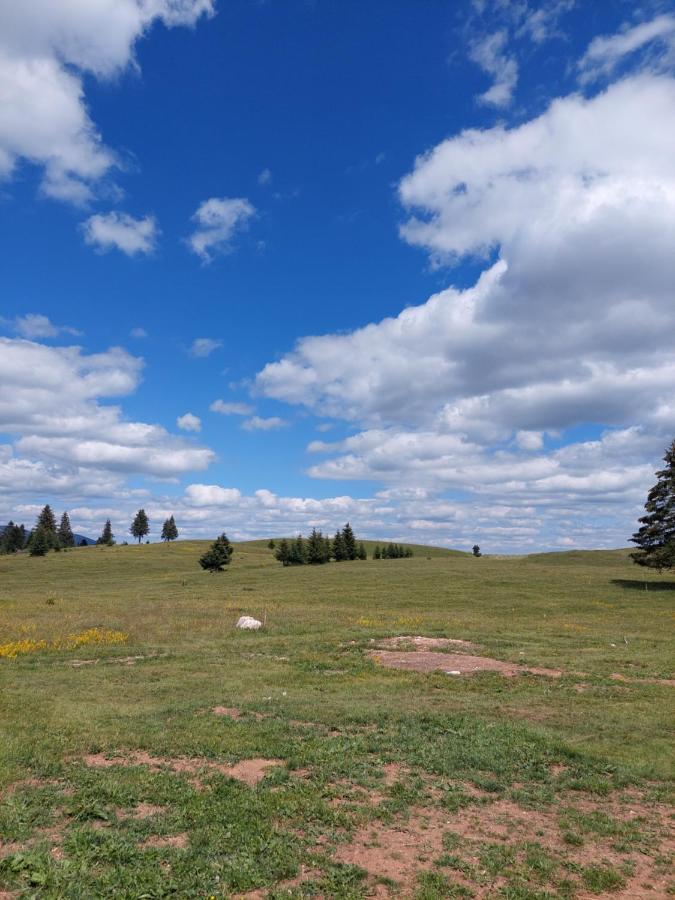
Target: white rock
249, 623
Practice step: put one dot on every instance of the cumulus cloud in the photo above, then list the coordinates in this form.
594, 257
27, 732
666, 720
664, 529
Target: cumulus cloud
64, 436
189, 422
607, 52
490, 54
36, 325
265, 177
258, 423
202, 347
569, 323
231, 409
121, 231
46, 49
218, 220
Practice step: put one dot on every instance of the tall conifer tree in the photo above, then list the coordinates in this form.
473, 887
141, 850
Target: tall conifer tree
65, 532
656, 536
140, 526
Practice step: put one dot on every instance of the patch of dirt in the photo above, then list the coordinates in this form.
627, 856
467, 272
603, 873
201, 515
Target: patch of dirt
178, 841
616, 676
305, 874
392, 772
424, 643
230, 711
454, 664
249, 771
400, 851
141, 811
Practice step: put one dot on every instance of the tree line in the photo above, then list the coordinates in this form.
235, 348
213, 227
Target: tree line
318, 549
392, 551
47, 535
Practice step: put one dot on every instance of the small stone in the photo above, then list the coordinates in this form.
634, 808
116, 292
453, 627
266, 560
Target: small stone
453, 672
249, 623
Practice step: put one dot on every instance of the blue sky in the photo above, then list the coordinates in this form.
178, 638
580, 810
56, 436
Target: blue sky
419, 251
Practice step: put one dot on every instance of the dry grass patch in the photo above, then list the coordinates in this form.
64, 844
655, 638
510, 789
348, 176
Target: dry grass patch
249, 771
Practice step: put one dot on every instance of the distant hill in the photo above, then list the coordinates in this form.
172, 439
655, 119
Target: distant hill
78, 537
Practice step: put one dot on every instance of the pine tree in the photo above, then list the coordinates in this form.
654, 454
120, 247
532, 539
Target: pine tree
298, 552
218, 555
107, 537
476, 550
140, 526
40, 541
656, 535
169, 529
270, 545
13, 538
46, 520
376, 552
65, 533
316, 548
361, 552
339, 551
349, 542
283, 553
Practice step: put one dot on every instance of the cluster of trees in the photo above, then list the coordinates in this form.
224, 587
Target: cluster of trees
218, 555
656, 536
318, 549
47, 535
392, 551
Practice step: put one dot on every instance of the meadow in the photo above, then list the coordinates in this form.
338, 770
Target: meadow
148, 749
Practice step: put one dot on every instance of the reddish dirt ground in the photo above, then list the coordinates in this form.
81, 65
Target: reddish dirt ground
250, 771
454, 663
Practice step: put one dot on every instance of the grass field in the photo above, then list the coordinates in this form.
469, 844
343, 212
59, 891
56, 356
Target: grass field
119, 780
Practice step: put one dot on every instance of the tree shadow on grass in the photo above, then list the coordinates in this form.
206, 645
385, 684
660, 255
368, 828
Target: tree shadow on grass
634, 584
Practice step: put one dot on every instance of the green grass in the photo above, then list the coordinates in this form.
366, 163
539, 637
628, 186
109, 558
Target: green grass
329, 713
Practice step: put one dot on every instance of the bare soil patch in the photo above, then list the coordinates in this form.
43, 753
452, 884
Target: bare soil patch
424, 643
249, 771
454, 663
230, 712
178, 841
616, 676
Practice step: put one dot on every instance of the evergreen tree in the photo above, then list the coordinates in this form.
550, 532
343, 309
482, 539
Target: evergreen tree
13, 538
65, 533
46, 520
83, 543
376, 552
339, 551
40, 541
298, 552
349, 542
107, 537
316, 548
476, 550
361, 552
218, 555
270, 545
283, 553
140, 526
169, 529
656, 536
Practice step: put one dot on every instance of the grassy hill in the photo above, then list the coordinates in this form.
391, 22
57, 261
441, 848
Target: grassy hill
311, 697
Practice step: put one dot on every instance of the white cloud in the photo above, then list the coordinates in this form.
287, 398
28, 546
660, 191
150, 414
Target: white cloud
121, 231
138, 333
265, 177
257, 423
189, 422
64, 436
231, 409
202, 347
46, 48
36, 325
605, 53
490, 54
530, 440
218, 220
572, 324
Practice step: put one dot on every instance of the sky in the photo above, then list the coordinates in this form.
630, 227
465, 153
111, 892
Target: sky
269, 265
